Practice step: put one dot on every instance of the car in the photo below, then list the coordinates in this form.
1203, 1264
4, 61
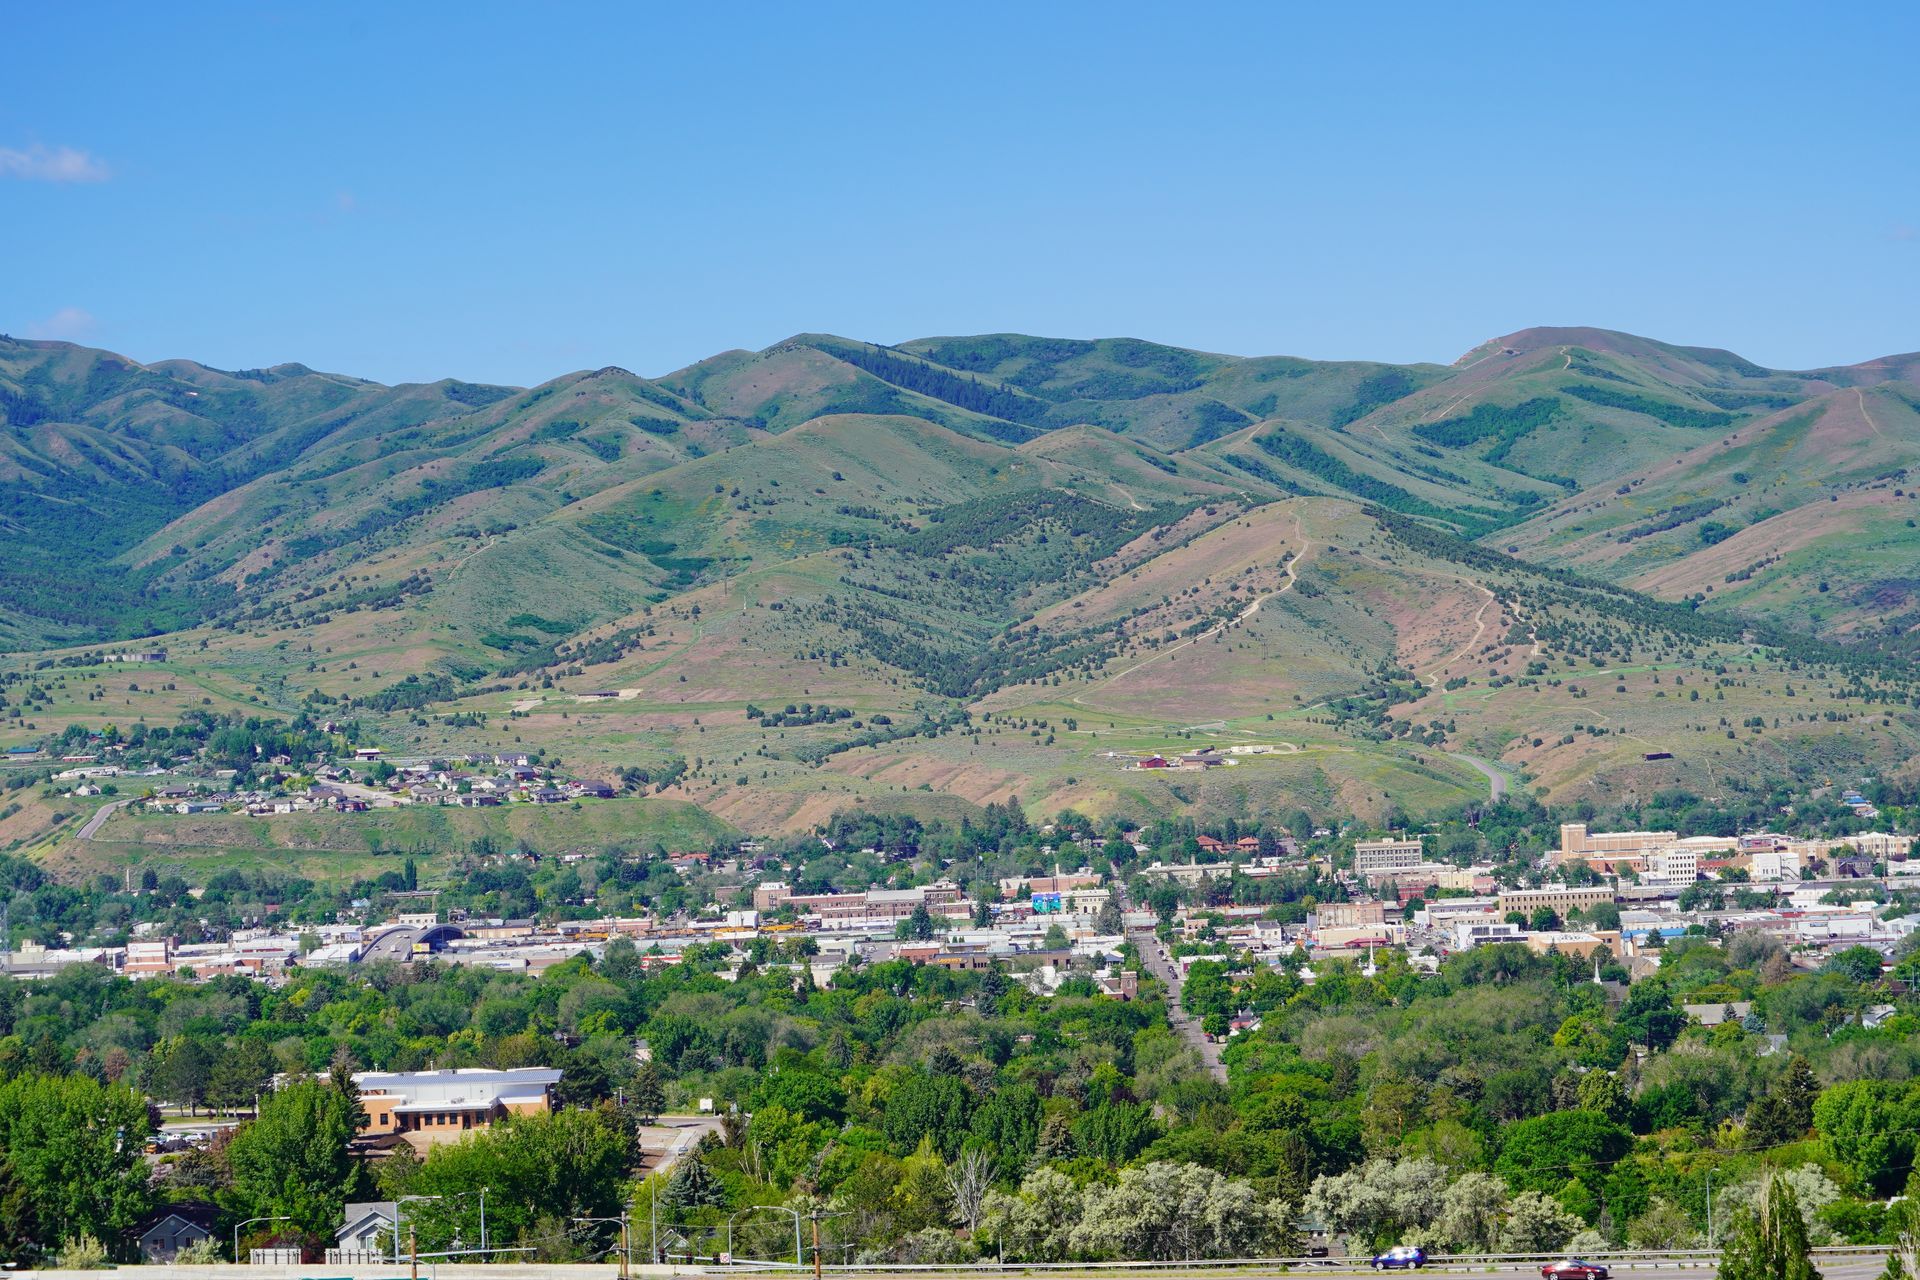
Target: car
1404, 1256
1573, 1269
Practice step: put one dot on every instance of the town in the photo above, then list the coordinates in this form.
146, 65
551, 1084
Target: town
1610, 897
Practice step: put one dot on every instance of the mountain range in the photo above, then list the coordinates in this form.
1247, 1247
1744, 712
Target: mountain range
1401, 565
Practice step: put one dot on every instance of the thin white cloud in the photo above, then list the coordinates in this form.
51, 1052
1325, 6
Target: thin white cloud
68, 324
39, 163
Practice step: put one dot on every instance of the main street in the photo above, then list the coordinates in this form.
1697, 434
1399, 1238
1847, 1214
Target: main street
1154, 957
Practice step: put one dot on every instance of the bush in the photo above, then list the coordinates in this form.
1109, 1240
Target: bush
82, 1253
200, 1253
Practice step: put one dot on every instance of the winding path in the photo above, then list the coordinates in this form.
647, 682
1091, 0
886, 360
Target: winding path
1496, 780
1252, 608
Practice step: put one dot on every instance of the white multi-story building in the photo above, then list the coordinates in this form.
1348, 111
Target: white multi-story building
1371, 857
1675, 864
1479, 930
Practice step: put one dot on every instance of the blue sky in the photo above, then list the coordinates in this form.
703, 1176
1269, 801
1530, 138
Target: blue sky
506, 193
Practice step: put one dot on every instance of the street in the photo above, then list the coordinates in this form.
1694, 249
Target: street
1160, 965
668, 1138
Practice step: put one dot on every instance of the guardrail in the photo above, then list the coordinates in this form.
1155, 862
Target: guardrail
1615, 1259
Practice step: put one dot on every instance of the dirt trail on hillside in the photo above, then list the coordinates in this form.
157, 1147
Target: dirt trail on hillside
1252, 608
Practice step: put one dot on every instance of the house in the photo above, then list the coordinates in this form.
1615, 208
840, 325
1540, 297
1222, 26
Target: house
144, 655
362, 1233
171, 1228
1712, 1015
1876, 1015
1153, 762
593, 787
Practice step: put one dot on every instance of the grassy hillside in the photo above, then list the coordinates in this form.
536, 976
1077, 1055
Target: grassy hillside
981, 570
1805, 517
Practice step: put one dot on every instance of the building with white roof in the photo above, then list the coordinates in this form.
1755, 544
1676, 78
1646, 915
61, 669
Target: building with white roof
430, 1106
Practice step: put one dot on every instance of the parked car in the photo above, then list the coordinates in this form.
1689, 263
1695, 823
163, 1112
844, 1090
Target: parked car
1573, 1269
1406, 1256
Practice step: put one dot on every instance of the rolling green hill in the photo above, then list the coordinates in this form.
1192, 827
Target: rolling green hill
1013, 562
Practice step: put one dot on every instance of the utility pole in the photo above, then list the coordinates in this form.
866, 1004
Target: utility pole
626, 1240
815, 1215
483, 1224
413, 1253
1709, 1208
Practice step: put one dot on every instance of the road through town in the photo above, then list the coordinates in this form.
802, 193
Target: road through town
1154, 956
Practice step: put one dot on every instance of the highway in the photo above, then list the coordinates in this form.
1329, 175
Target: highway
395, 945
1837, 1265
1862, 1266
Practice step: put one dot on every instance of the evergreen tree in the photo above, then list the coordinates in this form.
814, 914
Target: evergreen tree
692, 1185
648, 1095
1797, 1091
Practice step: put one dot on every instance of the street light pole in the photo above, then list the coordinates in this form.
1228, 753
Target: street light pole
397, 1211
278, 1217
799, 1253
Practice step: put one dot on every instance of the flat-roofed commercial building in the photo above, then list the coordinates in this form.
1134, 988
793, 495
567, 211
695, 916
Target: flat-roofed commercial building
1371, 857
439, 1104
1576, 840
1561, 898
